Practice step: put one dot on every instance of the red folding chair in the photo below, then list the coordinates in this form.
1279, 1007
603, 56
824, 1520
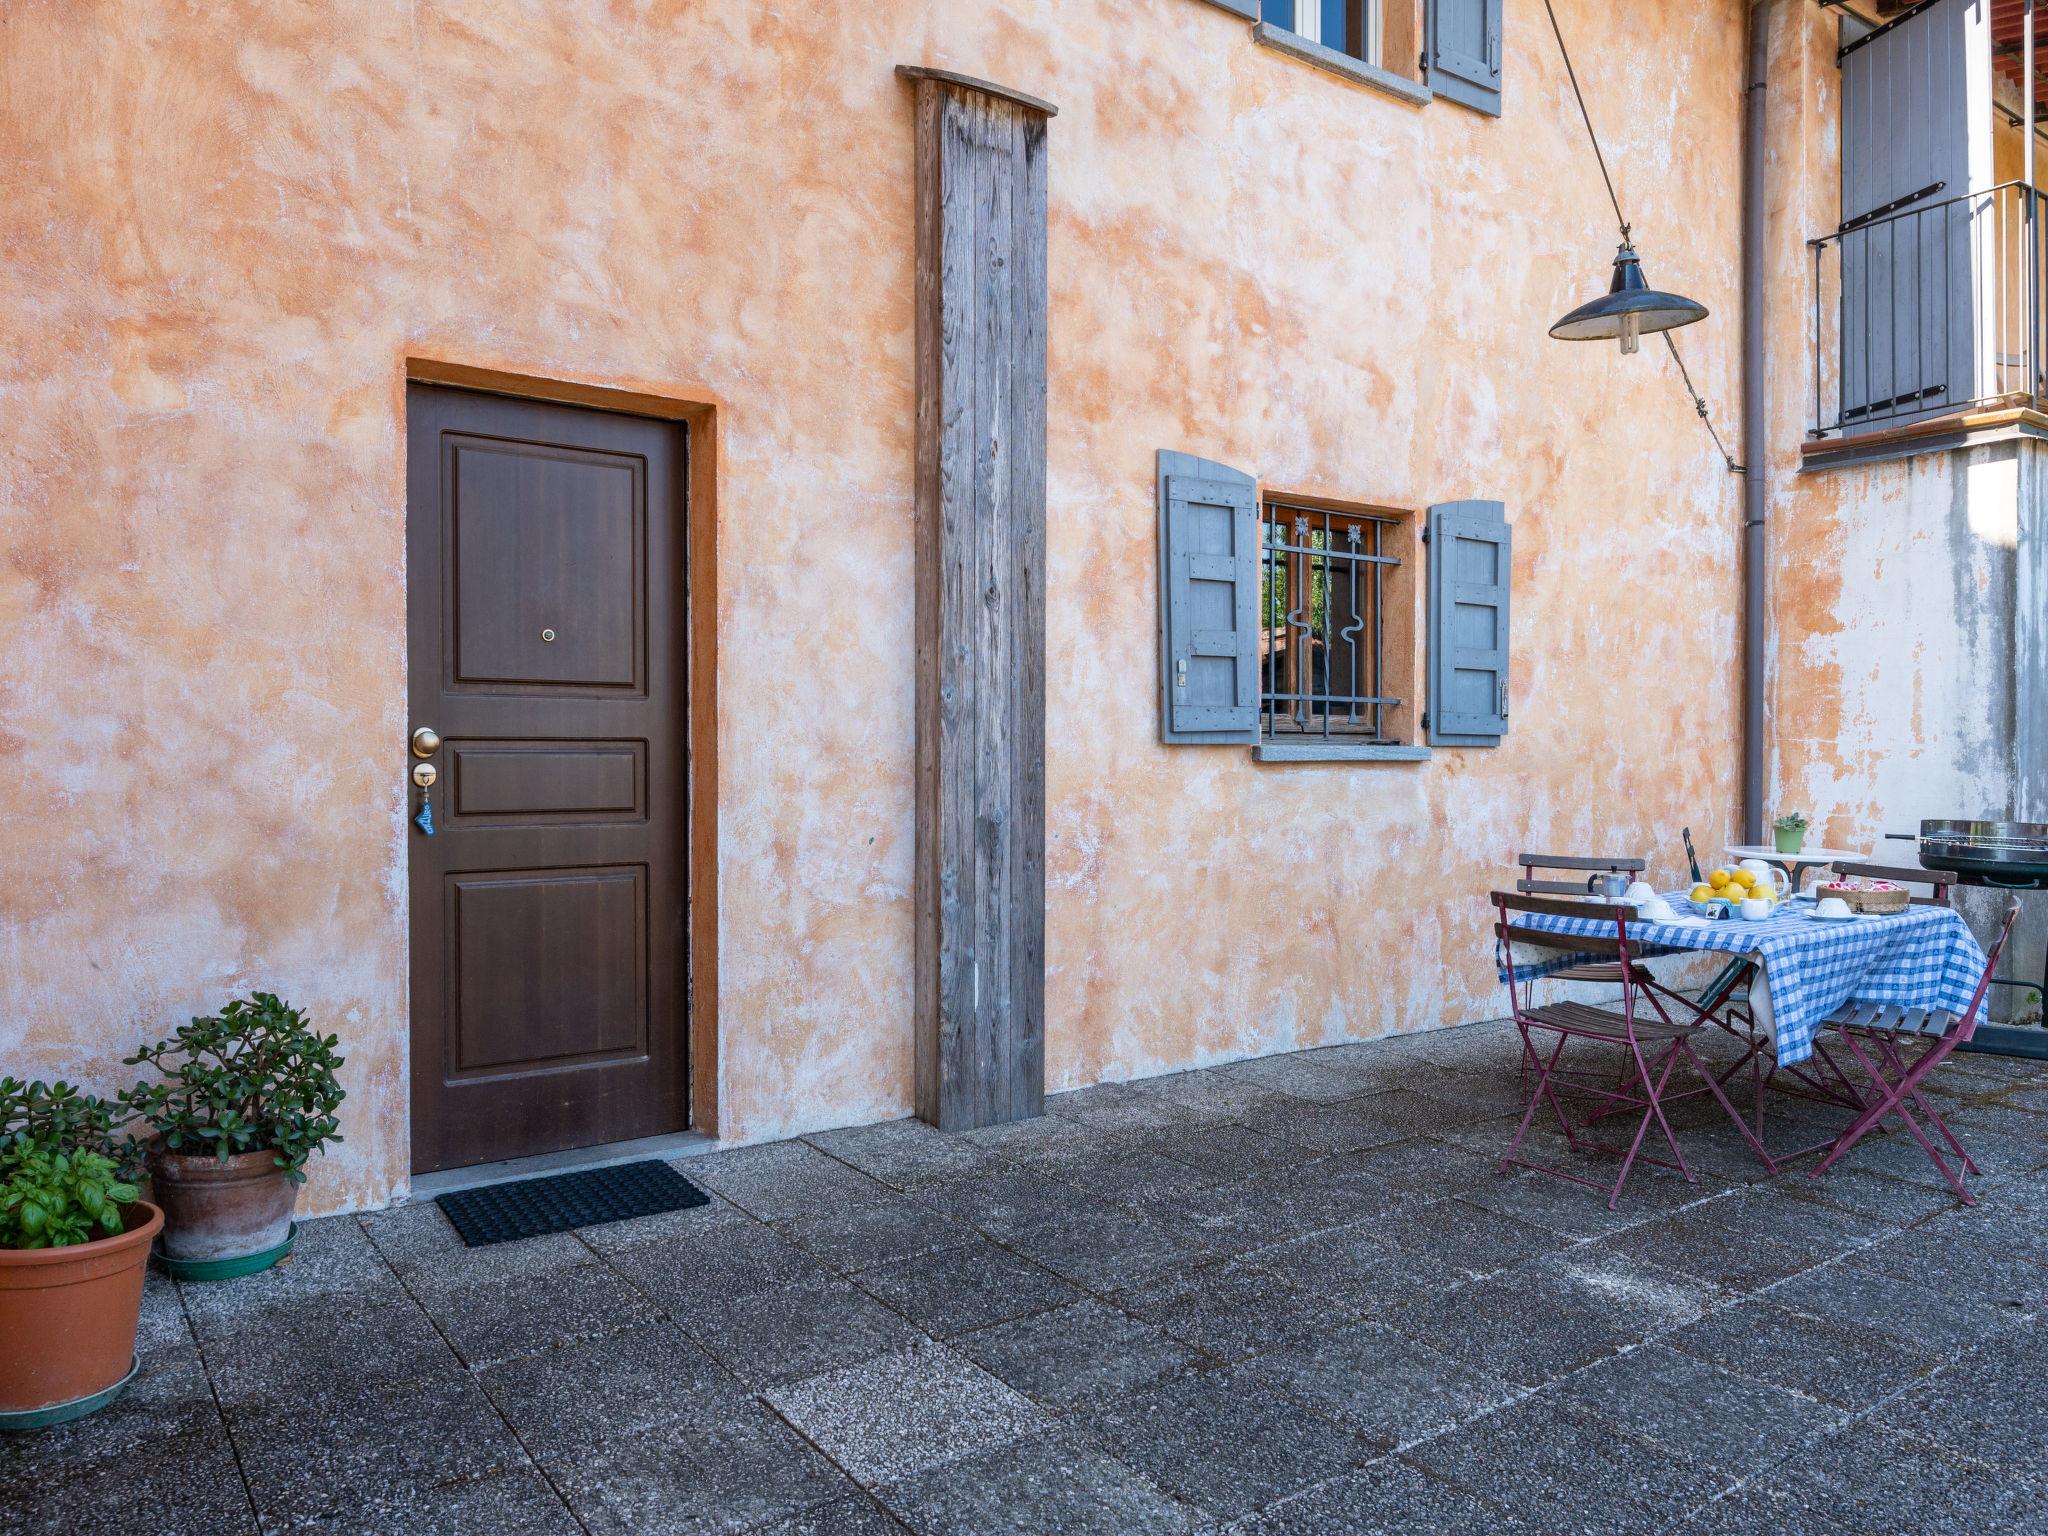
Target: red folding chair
1538, 879
1652, 1042
1882, 1038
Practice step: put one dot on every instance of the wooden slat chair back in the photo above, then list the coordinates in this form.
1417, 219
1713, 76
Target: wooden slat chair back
1879, 1036
1533, 884
1652, 1042
1904, 874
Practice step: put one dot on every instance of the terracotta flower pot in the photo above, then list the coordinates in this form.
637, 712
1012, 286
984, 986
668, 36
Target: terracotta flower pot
68, 1316
216, 1210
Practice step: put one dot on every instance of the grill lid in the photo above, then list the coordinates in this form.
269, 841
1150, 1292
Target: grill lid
2018, 848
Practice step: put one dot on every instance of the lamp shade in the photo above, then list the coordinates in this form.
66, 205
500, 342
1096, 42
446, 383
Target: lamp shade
1629, 308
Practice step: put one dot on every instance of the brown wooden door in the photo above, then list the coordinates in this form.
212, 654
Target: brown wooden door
545, 582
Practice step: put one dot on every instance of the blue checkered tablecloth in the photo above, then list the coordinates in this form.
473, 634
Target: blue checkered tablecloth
1925, 957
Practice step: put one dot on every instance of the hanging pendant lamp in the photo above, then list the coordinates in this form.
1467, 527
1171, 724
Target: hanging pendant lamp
1629, 308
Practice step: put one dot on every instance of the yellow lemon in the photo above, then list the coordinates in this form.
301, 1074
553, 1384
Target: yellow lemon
1718, 879
1703, 892
1743, 878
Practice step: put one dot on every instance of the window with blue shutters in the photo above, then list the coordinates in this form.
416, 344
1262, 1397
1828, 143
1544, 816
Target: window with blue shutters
1471, 559
1286, 622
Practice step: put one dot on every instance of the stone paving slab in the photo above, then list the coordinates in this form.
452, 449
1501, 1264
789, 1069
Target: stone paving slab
1080, 1353
1060, 1484
900, 1415
731, 1472
1227, 1446
1285, 1297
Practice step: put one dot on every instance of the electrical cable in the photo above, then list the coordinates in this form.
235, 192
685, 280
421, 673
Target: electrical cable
1699, 403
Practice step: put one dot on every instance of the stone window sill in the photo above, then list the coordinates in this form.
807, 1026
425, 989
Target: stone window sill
1341, 64
1248, 9
1336, 752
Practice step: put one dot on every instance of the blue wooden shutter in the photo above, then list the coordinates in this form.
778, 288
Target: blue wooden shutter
1464, 52
1471, 556
1208, 601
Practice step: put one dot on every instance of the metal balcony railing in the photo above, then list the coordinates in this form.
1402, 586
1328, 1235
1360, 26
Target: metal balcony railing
1928, 308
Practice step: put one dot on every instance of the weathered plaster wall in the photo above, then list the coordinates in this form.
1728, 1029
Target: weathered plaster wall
226, 231
1895, 588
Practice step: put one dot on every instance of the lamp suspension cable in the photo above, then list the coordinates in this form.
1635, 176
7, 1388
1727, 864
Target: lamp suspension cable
1699, 403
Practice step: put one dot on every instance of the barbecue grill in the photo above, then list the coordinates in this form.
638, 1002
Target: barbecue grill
2006, 856
2011, 855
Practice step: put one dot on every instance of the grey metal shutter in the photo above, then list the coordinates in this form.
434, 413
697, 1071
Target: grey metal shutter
1918, 251
1471, 558
1464, 52
1208, 601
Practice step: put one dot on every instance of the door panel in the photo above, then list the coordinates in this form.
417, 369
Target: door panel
547, 778
539, 533
548, 968
545, 602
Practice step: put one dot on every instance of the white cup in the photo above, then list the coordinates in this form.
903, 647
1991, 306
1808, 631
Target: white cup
1756, 909
1640, 891
1656, 910
1831, 906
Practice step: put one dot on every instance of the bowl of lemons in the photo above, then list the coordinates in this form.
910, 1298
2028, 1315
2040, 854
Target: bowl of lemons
1724, 891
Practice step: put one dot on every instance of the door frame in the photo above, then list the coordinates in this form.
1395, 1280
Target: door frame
699, 416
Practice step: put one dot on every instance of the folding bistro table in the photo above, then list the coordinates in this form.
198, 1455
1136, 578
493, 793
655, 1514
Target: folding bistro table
1805, 968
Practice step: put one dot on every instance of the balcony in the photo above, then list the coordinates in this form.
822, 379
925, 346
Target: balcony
1928, 326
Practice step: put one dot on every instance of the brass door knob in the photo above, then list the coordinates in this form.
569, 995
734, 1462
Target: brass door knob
426, 741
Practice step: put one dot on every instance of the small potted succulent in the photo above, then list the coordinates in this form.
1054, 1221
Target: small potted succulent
1790, 831
74, 1244
243, 1098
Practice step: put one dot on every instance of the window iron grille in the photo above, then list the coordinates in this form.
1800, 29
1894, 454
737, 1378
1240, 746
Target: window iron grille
1322, 623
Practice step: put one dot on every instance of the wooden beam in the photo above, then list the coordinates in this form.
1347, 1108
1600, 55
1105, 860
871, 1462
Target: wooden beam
980, 867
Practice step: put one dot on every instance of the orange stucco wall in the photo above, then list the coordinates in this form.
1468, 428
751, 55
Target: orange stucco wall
226, 231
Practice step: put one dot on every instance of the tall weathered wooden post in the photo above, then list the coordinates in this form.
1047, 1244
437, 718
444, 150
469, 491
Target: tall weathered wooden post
980, 888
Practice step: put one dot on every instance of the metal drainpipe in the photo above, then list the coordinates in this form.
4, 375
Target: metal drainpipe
1754, 429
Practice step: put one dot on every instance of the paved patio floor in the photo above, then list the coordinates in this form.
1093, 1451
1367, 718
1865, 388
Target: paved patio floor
1284, 1296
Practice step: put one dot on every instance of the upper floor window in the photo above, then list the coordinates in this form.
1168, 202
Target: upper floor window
1346, 26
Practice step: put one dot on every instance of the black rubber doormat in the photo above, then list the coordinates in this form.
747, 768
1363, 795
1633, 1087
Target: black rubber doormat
501, 1213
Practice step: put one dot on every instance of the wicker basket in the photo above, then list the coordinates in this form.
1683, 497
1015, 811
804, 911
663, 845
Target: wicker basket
1869, 903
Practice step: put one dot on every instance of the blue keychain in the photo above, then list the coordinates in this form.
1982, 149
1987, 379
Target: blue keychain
423, 774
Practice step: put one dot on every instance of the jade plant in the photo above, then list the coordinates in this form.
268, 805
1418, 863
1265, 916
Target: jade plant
61, 1172
254, 1077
